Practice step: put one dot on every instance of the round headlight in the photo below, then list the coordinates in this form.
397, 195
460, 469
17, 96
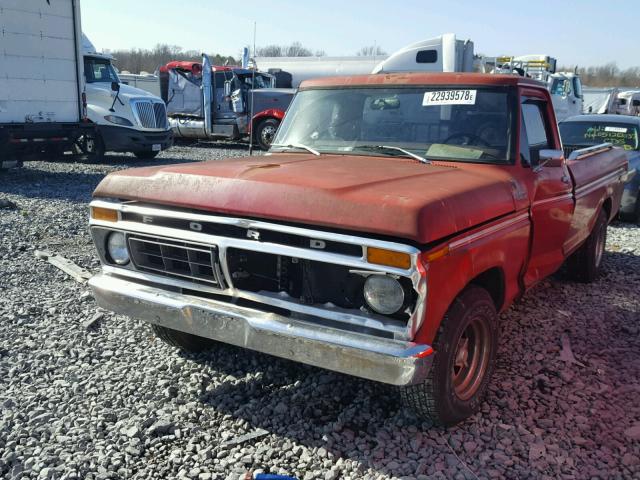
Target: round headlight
117, 248
383, 294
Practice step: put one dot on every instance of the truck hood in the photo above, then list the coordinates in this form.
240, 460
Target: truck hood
103, 90
394, 197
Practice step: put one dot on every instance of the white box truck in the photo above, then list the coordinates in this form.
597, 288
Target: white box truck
42, 108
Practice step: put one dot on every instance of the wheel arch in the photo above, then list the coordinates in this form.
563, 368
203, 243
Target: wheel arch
493, 281
607, 206
274, 113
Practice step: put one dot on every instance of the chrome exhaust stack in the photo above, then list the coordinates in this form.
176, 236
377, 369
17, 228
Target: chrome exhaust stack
207, 95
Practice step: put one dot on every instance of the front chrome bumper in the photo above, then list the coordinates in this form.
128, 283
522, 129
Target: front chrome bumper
383, 360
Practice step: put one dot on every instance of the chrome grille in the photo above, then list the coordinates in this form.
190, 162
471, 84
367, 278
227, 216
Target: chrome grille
151, 115
161, 115
175, 259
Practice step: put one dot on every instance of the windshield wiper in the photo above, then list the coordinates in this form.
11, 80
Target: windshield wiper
297, 145
397, 149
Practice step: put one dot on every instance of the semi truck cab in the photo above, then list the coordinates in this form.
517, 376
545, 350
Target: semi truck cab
127, 119
206, 101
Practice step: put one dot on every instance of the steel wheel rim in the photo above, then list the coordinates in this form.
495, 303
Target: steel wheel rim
600, 245
91, 145
471, 358
267, 134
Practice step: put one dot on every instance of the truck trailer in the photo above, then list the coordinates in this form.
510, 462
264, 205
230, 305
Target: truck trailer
444, 53
42, 103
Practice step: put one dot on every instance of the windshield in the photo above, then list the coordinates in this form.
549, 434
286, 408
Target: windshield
593, 133
461, 124
99, 70
262, 81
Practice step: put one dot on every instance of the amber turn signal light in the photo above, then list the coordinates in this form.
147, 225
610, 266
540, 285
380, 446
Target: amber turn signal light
104, 214
436, 254
380, 256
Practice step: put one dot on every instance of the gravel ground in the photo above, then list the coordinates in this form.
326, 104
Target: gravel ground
110, 401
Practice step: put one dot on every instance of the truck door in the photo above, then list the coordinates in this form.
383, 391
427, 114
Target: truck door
223, 111
552, 200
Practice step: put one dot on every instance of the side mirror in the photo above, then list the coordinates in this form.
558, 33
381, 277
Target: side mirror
227, 88
115, 86
551, 158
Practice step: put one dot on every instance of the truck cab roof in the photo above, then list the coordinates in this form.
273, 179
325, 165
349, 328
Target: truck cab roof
453, 79
196, 67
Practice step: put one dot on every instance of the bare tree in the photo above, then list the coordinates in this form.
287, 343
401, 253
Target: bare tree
608, 75
269, 51
297, 50
141, 60
294, 50
370, 51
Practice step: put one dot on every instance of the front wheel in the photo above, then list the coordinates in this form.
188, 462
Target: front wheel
584, 265
265, 132
465, 351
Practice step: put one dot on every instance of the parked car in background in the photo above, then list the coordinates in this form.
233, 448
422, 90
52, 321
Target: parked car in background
622, 131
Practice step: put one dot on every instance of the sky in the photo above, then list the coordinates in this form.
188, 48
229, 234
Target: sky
576, 32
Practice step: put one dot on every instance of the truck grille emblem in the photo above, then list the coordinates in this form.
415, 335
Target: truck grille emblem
253, 234
195, 226
147, 219
318, 244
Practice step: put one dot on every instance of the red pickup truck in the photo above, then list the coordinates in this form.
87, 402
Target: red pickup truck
393, 219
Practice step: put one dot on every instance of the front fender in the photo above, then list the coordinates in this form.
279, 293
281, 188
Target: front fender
269, 113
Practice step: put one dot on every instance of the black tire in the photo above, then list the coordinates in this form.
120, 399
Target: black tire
584, 264
265, 132
184, 341
146, 155
451, 393
91, 147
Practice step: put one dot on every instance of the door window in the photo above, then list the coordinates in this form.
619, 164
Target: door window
533, 120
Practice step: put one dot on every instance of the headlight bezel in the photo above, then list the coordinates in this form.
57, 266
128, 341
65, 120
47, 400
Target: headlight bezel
394, 305
117, 259
117, 120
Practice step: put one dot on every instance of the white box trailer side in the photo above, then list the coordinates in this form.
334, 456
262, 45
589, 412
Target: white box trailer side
41, 77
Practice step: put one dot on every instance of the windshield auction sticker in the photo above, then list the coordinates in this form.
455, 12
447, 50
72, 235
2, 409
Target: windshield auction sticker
449, 97
615, 129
